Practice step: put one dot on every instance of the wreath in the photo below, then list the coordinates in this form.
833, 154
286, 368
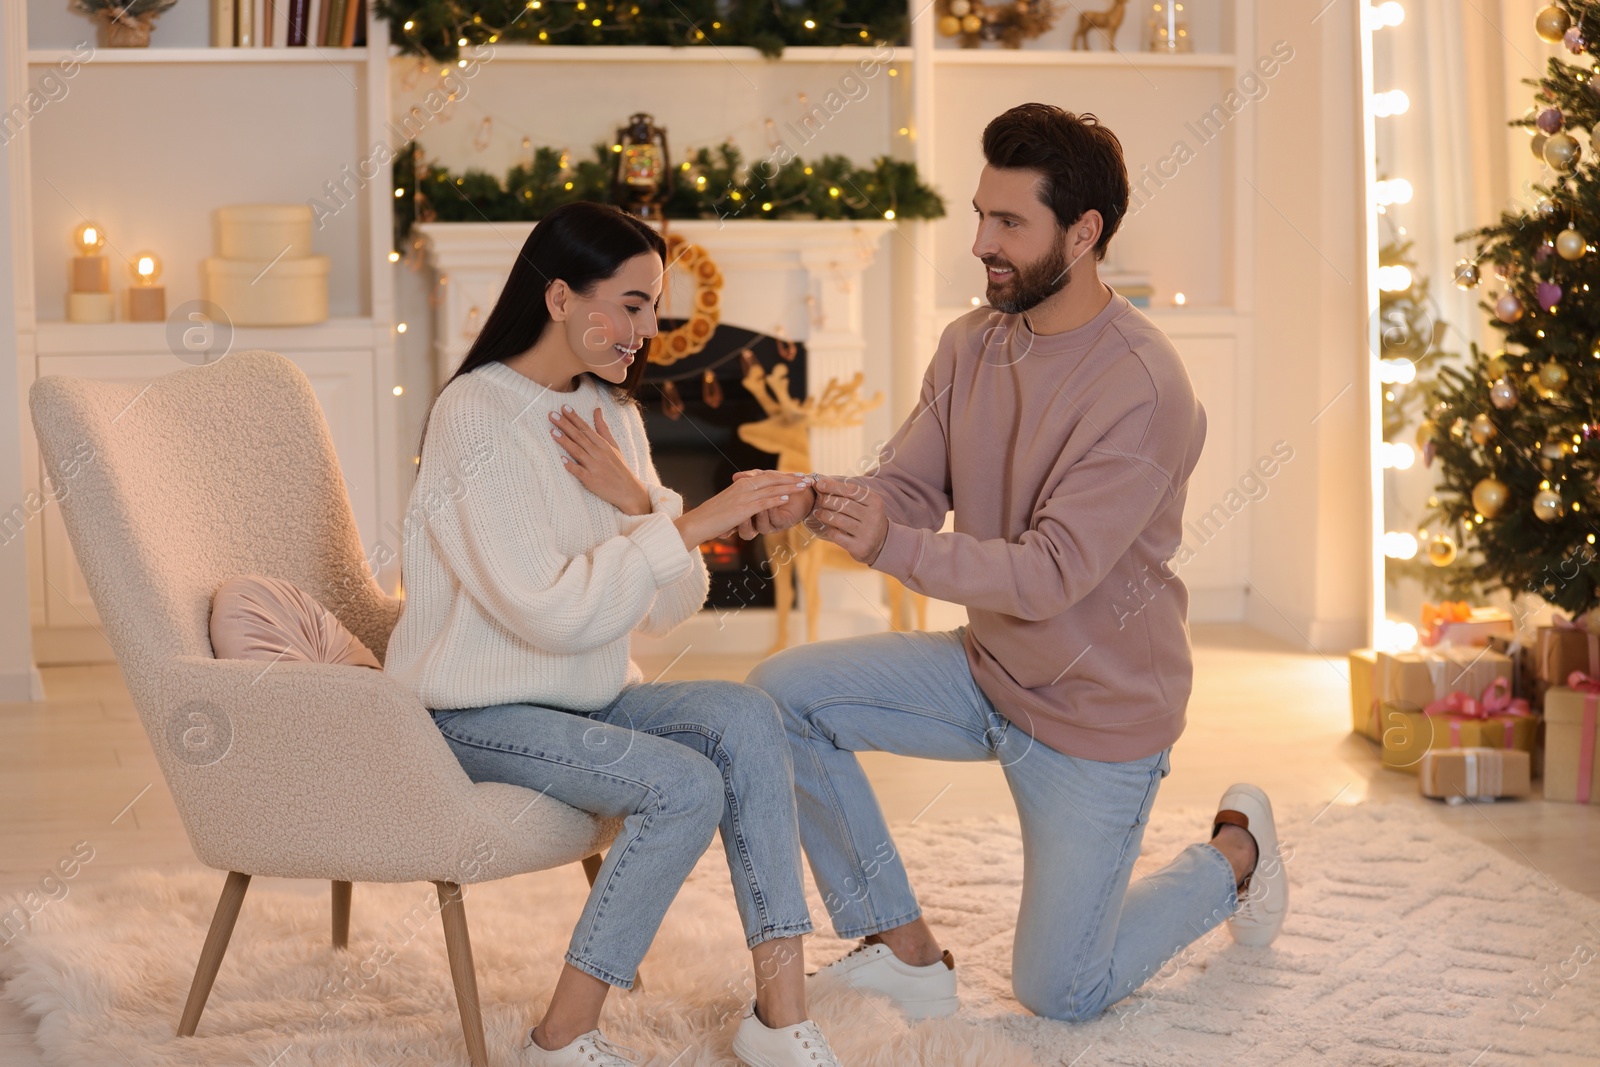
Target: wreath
668, 348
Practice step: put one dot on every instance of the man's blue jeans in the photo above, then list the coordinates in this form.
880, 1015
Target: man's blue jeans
677, 760
1085, 939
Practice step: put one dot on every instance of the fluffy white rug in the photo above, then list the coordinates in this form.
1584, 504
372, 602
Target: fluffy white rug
1407, 943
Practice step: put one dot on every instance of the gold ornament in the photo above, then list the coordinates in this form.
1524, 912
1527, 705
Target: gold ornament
1548, 505
667, 348
1442, 550
960, 8
1552, 378
1551, 24
1570, 244
1495, 366
1554, 449
1562, 151
949, 25
1458, 430
971, 24
1489, 497
1426, 432
1483, 429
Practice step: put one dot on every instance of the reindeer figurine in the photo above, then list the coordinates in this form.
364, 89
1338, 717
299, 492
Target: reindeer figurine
1108, 21
786, 432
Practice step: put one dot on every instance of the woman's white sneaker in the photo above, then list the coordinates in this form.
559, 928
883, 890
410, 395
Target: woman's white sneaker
801, 1045
920, 992
585, 1050
1264, 901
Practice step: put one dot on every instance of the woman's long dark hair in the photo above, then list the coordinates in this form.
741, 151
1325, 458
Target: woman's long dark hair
582, 243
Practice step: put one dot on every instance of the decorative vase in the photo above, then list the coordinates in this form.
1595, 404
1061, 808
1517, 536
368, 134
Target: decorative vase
127, 32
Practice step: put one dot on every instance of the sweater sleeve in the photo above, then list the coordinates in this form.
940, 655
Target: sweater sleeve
1080, 528
678, 601
493, 534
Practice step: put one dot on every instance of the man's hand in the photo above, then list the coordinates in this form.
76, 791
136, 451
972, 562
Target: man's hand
851, 516
778, 519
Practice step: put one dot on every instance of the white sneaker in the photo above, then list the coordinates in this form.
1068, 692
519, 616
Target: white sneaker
1264, 901
586, 1050
800, 1045
920, 992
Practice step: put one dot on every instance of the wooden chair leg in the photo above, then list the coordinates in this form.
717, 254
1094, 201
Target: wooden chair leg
591, 869
205, 972
341, 914
458, 947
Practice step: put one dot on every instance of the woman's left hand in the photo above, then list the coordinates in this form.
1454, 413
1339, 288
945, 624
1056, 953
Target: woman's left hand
595, 460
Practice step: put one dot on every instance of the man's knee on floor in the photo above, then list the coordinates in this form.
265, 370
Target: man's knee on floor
1048, 1000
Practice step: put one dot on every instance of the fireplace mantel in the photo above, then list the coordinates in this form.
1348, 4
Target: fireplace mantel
799, 279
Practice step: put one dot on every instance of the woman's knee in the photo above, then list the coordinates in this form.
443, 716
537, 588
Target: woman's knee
692, 791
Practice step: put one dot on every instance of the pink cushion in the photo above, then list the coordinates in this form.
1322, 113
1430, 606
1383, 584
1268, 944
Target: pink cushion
255, 617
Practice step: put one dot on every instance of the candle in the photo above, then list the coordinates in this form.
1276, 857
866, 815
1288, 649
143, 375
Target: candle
147, 301
89, 298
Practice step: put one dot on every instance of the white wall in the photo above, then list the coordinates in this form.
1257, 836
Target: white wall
1309, 575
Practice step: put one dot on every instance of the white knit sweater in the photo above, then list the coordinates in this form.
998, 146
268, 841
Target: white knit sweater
522, 586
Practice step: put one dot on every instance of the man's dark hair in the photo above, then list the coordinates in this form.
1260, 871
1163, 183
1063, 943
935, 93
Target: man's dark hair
1080, 159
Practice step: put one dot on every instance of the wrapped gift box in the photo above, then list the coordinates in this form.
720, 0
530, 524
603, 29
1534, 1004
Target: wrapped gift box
1492, 720
1524, 666
1363, 704
1559, 651
1457, 623
1416, 679
1451, 773
1572, 744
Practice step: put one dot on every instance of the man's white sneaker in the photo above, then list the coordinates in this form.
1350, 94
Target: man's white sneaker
1264, 900
800, 1045
920, 992
586, 1050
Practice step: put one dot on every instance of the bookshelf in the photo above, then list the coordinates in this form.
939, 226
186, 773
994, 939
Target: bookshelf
149, 142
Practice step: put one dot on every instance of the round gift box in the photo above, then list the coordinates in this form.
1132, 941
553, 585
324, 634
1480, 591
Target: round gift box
293, 292
262, 231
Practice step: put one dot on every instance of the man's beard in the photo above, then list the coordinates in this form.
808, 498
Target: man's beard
1031, 283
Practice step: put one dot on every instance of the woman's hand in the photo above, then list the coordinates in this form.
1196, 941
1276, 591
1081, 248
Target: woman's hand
747, 496
595, 460
778, 519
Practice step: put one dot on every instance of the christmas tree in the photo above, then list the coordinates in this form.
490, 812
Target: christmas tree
1515, 431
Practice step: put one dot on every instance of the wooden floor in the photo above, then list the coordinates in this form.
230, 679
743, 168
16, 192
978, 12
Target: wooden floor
78, 768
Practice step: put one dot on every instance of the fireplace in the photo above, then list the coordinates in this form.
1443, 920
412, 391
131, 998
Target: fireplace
698, 451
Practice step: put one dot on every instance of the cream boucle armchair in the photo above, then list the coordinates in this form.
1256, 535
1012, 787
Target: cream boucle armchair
287, 769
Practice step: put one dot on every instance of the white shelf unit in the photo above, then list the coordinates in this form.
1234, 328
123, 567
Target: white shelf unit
149, 142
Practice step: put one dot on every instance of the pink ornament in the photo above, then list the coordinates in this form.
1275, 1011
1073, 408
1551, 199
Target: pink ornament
1508, 308
1574, 40
1428, 450
1549, 294
1543, 253
1550, 120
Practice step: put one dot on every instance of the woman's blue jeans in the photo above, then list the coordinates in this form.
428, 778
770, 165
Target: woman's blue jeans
676, 760
1084, 939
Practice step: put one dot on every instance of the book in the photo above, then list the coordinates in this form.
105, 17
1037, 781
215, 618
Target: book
299, 11
221, 23
360, 40
348, 35
321, 23
244, 23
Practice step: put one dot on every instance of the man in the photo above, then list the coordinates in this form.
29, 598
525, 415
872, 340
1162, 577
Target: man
1060, 427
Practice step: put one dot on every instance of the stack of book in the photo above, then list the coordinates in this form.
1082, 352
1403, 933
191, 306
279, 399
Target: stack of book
288, 23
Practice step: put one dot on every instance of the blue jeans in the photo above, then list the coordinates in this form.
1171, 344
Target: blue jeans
676, 760
1084, 939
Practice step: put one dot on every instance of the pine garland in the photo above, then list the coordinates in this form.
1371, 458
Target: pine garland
1548, 439
438, 28
710, 184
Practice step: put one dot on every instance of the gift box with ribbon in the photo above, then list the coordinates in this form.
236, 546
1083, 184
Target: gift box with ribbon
1524, 665
1494, 719
1572, 740
1455, 622
1363, 702
1562, 648
1417, 678
1467, 773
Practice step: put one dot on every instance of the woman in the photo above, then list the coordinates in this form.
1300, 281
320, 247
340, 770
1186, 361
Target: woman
544, 539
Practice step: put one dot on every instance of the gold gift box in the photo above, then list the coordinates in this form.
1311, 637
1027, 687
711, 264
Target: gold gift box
1565, 730
1409, 735
1475, 772
1363, 707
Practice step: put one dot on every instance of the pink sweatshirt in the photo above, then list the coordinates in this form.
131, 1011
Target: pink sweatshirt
1066, 459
